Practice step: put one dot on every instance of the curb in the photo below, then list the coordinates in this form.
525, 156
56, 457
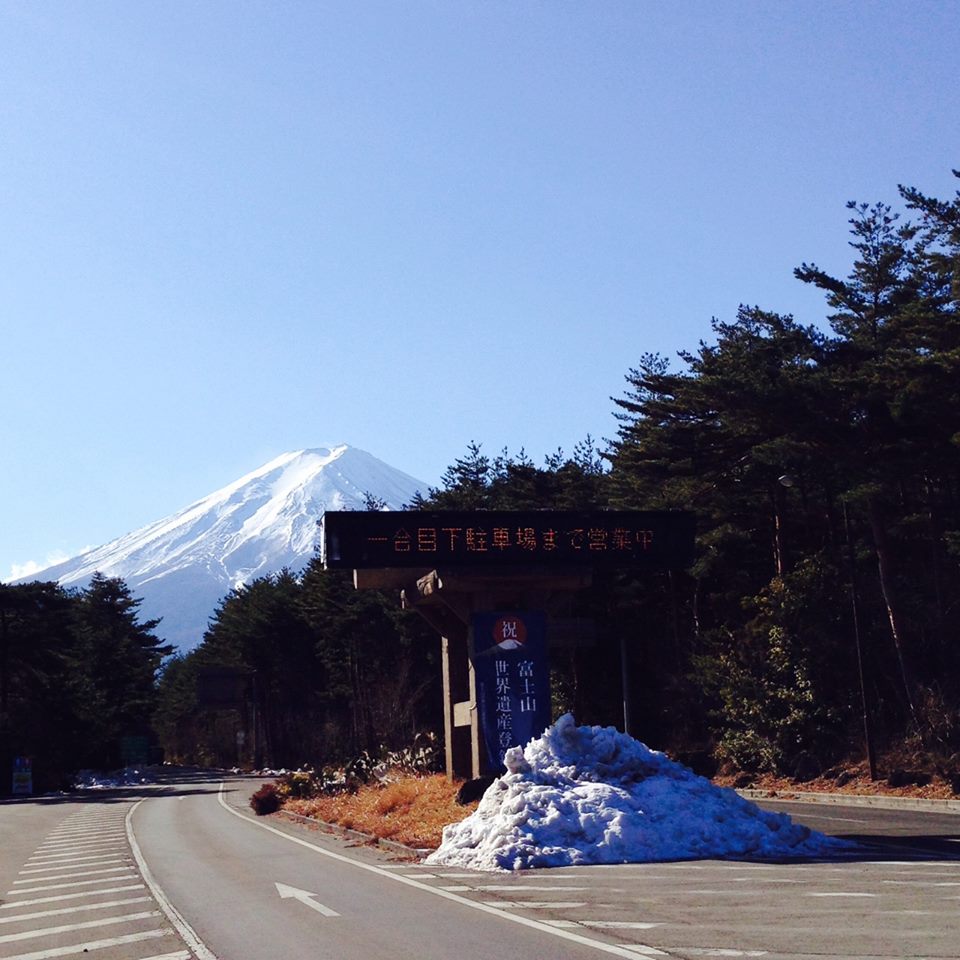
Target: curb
391, 845
855, 800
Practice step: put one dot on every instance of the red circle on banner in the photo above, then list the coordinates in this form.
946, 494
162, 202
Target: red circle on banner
509, 633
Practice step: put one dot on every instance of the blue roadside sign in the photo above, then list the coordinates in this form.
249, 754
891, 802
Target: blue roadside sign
513, 679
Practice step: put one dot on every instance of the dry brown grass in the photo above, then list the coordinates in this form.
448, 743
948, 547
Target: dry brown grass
413, 811
859, 785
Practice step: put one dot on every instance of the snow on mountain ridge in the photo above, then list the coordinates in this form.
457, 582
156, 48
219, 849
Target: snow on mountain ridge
183, 564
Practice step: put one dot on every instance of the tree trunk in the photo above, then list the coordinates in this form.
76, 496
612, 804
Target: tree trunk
884, 569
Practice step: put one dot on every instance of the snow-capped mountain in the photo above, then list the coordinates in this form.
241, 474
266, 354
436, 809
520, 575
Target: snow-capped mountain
182, 565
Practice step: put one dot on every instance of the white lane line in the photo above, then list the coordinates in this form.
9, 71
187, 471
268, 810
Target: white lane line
841, 893
83, 925
620, 924
70, 896
535, 904
611, 948
110, 851
512, 887
64, 911
722, 952
766, 880
456, 889
81, 873
80, 841
92, 945
646, 951
61, 886
80, 836
923, 883
421, 876
189, 935
179, 955
81, 846
81, 866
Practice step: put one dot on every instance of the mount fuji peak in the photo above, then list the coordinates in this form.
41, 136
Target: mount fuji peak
183, 565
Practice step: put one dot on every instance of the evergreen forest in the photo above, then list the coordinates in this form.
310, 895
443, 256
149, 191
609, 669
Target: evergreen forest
819, 622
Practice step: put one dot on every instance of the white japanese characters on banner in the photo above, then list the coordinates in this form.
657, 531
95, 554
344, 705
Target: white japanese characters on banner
513, 679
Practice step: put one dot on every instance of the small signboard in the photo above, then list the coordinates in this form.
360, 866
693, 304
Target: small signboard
513, 679
22, 775
382, 539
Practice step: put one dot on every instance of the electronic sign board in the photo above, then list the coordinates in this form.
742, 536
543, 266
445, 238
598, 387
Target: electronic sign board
657, 540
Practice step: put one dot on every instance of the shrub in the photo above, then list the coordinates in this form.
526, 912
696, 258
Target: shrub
265, 800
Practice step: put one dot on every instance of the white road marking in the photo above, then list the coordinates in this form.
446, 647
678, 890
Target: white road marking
305, 897
568, 924
421, 876
66, 866
61, 886
84, 835
620, 924
80, 873
77, 857
456, 889
179, 955
63, 911
766, 880
722, 952
840, 894
92, 945
54, 845
70, 896
494, 887
611, 948
923, 883
189, 935
84, 925
535, 904
646, 951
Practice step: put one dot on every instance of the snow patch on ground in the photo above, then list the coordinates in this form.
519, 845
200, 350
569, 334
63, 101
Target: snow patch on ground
580, 795
127, 777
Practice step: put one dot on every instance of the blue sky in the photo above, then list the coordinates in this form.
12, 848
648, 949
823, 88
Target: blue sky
230, 230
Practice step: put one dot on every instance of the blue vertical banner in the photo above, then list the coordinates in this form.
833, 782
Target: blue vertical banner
513, 679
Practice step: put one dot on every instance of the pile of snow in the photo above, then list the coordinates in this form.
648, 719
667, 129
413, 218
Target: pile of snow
582, 795
127, 777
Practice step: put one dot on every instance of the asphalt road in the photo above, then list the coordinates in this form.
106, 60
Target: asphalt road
136, 875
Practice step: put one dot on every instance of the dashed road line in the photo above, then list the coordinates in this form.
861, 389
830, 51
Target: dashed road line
535, 904
99, 853
77, 858
83, 925
82, 866
81, 873
71, 896
61, 886
91, 945
65, 911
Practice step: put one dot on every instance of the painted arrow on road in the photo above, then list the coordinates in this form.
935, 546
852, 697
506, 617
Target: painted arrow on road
304, 896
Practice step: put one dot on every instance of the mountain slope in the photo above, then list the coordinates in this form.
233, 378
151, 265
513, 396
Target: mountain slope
182, 565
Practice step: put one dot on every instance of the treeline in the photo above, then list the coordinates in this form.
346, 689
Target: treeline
823, 606
824, 468
321, 672
77, 678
